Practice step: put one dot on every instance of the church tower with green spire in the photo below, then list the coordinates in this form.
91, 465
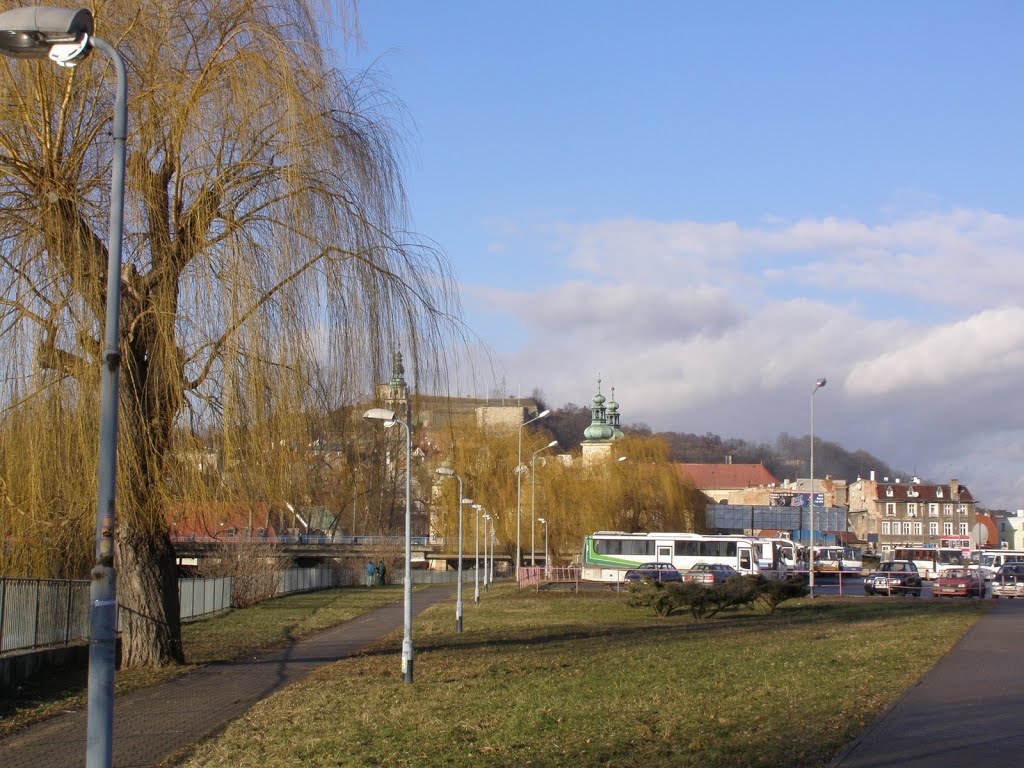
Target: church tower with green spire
395, 394
603, 430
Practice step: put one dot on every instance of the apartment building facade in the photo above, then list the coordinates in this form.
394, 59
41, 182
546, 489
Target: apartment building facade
893, 513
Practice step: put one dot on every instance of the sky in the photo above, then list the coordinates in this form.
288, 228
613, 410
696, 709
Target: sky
711, 205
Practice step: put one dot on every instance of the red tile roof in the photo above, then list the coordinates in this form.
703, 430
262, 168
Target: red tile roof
923, 492
712, 476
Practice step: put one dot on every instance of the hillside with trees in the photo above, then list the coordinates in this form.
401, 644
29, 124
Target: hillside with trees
787, 458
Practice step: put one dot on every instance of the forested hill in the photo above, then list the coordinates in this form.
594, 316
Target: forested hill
788, 458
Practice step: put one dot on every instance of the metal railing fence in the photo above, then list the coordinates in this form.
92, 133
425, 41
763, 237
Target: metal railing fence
203, 597
306, 579
40, 612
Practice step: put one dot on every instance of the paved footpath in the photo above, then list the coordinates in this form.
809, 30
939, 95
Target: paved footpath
155, 723
965, 712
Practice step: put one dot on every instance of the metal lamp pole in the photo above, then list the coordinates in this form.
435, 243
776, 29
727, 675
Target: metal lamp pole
810, 559
533, 497
458, 598
494, 540
476, 554
519, 484
65, 36
547, 566
486, 578
389, 418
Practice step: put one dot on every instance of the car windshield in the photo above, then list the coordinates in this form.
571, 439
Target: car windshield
956, 573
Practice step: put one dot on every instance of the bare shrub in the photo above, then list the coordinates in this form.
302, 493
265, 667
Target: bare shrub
254, 569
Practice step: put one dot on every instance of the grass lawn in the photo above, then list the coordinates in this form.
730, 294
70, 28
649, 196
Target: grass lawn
220, 638
559, 679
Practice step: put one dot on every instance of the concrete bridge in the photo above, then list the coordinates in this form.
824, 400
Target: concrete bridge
309, 548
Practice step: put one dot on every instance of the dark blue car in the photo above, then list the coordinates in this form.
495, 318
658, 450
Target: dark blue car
654, 572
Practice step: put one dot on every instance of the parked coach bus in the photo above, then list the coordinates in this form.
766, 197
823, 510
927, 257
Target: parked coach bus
608, 554
931, 561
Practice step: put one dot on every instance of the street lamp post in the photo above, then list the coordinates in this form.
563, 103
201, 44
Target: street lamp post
547, 565
458, 598
487, 581
533, 496
494, 540
810, 558
390, 419
519, 483
476, 554
65, 36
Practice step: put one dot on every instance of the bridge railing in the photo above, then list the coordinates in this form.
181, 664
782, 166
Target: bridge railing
303, 538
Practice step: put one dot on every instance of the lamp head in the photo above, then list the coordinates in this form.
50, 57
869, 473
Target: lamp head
542, 521
446, 471
60, 34
380, 414
820, 383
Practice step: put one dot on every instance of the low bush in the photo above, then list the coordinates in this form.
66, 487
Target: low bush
705, 601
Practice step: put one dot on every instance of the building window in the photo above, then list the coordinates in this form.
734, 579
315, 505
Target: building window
947, 529
888, 491
906, 527
912, 509
947, 510
890, 509
885, 527
933, 510
962, 509
963, 529
918, 529
933, 529
938, 492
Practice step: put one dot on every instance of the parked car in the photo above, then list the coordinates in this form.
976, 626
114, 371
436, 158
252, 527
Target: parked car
1008, 581
899, 577
710, 573
959, 582
654, 572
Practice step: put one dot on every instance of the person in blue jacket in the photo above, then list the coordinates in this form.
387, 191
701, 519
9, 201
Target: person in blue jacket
369, 573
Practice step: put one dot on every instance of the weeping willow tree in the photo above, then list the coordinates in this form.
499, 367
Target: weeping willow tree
643, 492
266, 277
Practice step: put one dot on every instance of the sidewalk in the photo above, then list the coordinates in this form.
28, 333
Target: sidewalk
155, 723
964, 712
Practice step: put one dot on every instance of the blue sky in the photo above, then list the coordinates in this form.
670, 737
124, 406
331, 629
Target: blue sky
714, 204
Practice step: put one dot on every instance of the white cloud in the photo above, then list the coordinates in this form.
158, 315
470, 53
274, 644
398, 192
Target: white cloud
918, 325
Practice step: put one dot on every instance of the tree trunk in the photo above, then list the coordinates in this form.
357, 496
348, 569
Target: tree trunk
147, 589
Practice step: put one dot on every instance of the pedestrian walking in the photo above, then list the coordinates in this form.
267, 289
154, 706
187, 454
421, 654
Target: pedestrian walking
369, 573
381, 572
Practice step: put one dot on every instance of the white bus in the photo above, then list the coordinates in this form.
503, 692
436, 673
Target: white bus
834, 559
776, 554
607, 555
989, 560
931, 561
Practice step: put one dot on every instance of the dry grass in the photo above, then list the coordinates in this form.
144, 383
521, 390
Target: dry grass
548, 679
220, 638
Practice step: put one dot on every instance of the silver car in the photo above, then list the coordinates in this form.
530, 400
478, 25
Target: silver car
1008, 581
